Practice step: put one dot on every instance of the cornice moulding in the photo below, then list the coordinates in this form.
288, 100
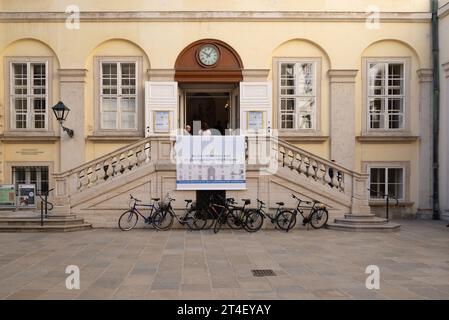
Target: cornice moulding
425, 75
125, 16
342, 75
443, 11
72, 75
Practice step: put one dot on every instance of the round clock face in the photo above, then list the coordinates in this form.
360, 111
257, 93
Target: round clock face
208, 55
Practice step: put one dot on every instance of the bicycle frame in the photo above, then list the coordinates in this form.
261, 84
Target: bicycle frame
300, 208
266, 214
181, 218
134, 209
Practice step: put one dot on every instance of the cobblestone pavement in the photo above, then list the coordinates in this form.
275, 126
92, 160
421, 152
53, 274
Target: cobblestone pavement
180, 264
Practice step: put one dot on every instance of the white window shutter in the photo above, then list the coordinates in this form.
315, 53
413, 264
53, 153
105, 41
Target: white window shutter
160, 97
256, 97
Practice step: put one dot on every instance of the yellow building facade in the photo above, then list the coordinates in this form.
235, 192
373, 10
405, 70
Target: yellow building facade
349, 81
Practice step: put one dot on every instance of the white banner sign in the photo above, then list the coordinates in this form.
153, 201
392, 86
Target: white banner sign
210, 163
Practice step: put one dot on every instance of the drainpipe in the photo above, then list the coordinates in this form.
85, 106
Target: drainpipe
435, 107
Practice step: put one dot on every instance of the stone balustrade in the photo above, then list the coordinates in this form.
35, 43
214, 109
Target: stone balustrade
278, 154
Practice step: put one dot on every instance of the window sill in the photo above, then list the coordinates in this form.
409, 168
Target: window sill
29, 136
296, 135
387, 136
115, 136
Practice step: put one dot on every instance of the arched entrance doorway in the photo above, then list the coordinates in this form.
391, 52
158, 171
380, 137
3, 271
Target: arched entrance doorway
208, 73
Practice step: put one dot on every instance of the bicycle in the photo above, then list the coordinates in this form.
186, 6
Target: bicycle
317, 216
163, 219
223, 214
213, 210
129, 218
255, 217
237, 216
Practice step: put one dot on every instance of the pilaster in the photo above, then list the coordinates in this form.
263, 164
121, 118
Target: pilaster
72, 86
425, 77
342, 116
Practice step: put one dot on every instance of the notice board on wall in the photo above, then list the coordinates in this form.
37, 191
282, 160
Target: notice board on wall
7, 196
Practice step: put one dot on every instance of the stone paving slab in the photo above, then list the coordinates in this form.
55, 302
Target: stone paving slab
180, 264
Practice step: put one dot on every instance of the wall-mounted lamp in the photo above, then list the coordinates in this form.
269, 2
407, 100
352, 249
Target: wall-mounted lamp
61, 112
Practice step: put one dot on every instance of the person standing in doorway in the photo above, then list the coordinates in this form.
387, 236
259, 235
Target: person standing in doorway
205, 131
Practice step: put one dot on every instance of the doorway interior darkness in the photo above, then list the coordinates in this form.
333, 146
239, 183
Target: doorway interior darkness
212, 108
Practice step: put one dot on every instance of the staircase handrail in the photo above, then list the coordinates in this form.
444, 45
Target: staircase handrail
106, 156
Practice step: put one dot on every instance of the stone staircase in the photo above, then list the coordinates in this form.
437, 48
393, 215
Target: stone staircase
365, 222
98, 191
30, 221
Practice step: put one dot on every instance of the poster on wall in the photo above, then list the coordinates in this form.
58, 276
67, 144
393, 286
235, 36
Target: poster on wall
210, 163
27, 196
161, 121
7, 196
255, 120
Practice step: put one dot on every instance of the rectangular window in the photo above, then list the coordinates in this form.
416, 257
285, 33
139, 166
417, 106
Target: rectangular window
29, 95
385, 95
37, 175
297, 90
386, 181
118, 96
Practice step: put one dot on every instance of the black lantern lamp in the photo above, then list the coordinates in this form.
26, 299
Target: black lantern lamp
61, 112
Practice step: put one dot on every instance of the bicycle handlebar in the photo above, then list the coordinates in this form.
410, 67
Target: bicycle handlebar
135, 199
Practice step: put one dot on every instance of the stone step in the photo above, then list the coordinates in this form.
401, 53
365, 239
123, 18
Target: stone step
359, 216
374, 220
387, 227
54, 228
37, 222
38, 216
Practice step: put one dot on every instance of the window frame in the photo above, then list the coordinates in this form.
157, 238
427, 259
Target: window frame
27, 172
386, 167
10, 95
99, 131
316, 114
50, 164
119, 95
366, 128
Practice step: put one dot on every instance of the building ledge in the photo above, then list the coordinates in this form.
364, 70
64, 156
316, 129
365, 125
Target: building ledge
26, 137
296, 136
392, 203
113, 138
387, 138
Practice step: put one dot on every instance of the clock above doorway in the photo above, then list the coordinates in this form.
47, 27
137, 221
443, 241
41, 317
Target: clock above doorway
208, 55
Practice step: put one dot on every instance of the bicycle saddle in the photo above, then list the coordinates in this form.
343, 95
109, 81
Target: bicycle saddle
280, 203
247, 201
188, 201
156, 199
260, 201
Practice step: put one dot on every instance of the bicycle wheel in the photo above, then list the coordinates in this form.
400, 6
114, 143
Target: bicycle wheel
219, 222
194, 220
236, 219
162, 220
209, 222
254, 220
128, 220
319, 218
286, 220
